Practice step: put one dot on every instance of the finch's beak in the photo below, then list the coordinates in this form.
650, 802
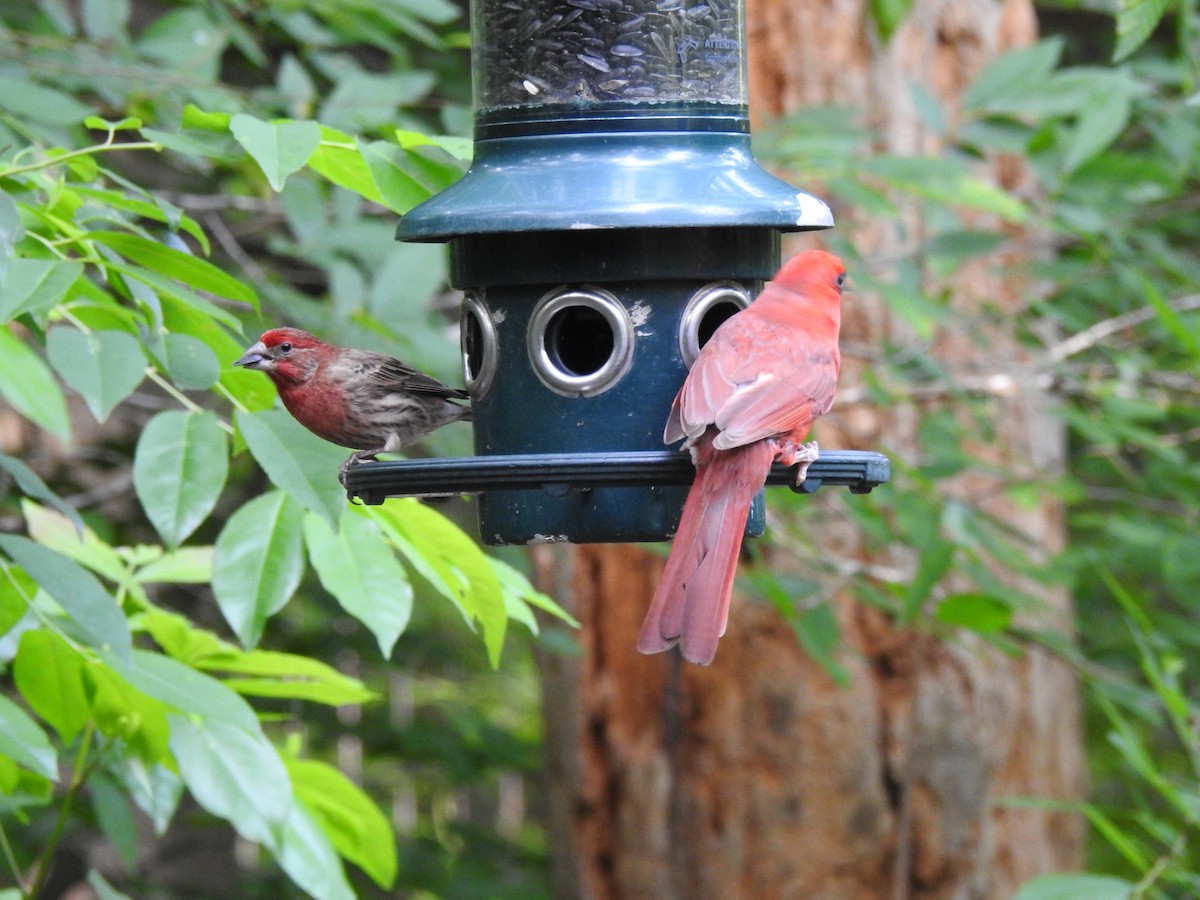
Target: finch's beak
255, 357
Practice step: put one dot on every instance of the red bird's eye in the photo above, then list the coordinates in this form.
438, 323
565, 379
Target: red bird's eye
285, 347
841, 279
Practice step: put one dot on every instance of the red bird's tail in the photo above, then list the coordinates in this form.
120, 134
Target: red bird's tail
691, 605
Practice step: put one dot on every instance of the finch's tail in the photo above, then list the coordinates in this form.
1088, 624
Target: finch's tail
691, 605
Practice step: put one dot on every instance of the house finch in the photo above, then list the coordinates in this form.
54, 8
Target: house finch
749, 399
354, 398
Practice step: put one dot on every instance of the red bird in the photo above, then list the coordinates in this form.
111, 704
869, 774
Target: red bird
357, 399
749, 399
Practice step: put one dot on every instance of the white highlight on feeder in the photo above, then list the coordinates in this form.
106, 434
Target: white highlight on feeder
813, 212
639, 314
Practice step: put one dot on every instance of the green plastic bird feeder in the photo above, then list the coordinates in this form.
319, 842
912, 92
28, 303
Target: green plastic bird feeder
612, 218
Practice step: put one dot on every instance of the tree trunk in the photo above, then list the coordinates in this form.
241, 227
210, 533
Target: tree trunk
759, 777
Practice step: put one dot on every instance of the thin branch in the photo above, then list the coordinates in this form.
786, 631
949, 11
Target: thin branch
186, 402
216, 225
75, 154
78, 776
11, 859
1106, 328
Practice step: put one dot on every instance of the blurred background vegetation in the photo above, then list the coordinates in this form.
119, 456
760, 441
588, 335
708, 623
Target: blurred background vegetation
138, 139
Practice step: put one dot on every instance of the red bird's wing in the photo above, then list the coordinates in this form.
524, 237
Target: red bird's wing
757, 380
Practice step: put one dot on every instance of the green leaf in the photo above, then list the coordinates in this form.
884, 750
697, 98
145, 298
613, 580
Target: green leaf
12, 229
57, 532
179, 471
1016, 72
279, 148
33, 487
1171, 320
38, 103
49, 674
27, 384
96, 881
274, 674
114, 815
190, 363
450, 561
22, 741
517, 586
405, 178
295, 460
196, 273
258, 563
167, 287
461, 148
130, 123
1101, 122
821, 637
1075, 887
935, 563
101, 624
104, 21
187, 565
124, 713
360, 569
35, 285
17, 591
339, 160
234, 774
1136, 21
888, 14
183, 688
200, 120
194, 143
355, 826
21, 789
154, 788
103, 366
308, 857
153, 207
943, 181
978, 612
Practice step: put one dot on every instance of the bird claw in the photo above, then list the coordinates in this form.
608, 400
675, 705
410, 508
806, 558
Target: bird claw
800, 455
353, 460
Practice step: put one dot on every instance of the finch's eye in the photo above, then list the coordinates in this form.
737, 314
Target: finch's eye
286, 348
841, 279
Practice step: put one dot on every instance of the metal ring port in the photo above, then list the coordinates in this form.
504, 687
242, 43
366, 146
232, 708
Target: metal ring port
480, 346
704, 313
580, 341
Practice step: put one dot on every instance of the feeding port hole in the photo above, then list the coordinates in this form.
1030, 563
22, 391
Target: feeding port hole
580, 341
708, 308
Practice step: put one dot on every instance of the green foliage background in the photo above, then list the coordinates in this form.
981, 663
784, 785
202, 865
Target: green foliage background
147, 152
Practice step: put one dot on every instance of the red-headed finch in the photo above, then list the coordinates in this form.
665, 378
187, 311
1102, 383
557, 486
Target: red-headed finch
358, 399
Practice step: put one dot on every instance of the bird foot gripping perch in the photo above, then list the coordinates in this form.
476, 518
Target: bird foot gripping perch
801, 456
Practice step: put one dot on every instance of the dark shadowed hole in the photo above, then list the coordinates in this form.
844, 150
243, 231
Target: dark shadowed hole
713, 318
472, 343
579, 340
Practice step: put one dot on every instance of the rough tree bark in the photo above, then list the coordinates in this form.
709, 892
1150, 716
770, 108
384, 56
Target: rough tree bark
759, 777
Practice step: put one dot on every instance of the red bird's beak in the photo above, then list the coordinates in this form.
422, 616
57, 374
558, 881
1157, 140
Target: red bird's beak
255, 357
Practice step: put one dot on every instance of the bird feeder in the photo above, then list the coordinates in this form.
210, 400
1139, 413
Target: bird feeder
613, 216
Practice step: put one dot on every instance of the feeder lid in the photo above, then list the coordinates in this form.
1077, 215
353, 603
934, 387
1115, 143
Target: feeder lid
613, 179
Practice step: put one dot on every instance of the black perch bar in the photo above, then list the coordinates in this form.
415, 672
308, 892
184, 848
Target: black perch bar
559, 473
